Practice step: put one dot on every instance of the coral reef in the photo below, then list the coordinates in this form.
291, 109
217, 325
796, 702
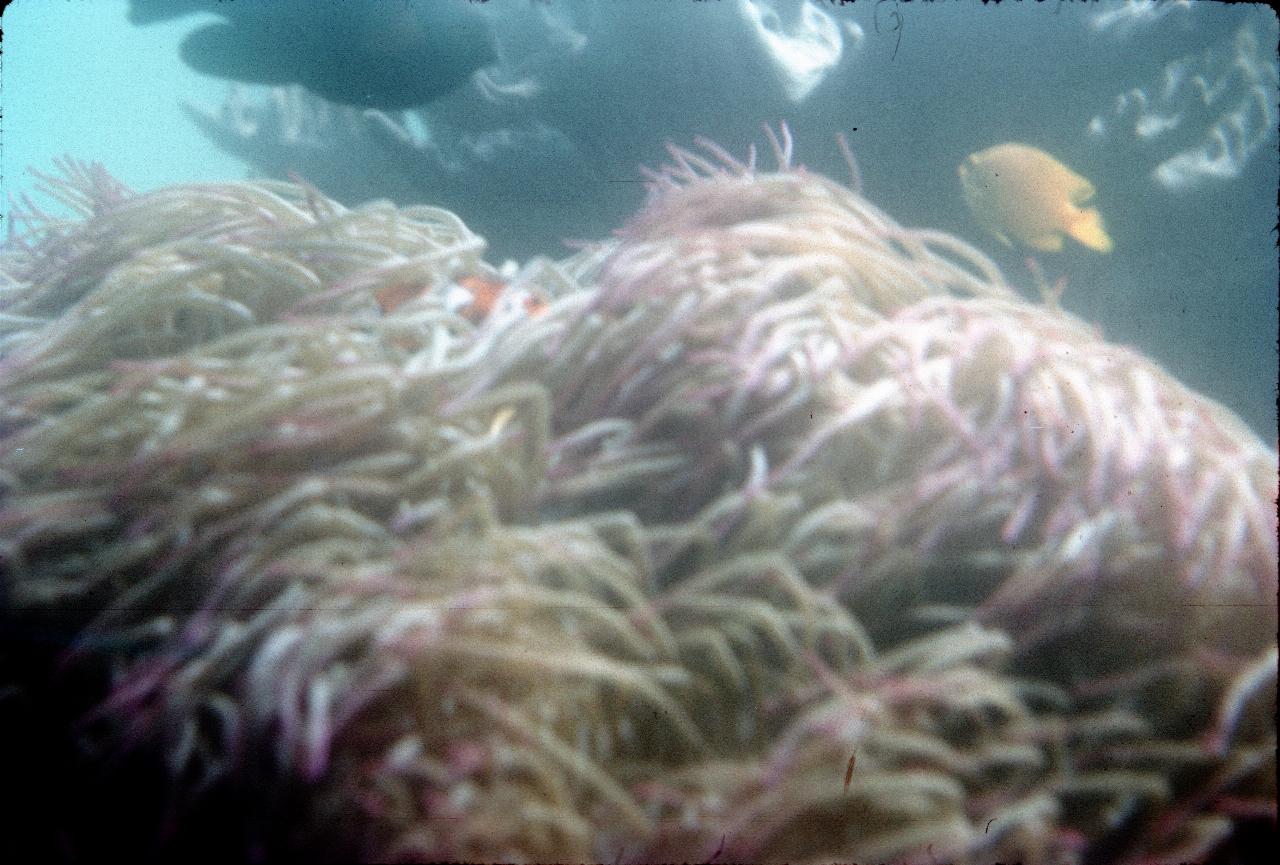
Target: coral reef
785, 533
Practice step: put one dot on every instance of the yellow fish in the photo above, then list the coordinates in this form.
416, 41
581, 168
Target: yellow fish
1021, 192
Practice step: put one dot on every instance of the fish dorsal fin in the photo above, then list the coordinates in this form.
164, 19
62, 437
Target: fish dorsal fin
1080, 190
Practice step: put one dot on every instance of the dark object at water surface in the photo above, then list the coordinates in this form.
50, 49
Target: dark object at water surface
384, 55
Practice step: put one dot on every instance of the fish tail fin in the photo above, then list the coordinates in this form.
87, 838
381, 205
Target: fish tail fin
1087, 229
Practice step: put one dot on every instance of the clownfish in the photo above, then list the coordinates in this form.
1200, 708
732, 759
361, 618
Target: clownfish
474, 297
397, 294
1021, 193
481, 295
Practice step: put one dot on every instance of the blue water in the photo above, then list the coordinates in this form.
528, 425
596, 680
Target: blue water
1114, 91
79, 79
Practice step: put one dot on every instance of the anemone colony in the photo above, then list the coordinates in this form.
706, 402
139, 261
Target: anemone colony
773, 484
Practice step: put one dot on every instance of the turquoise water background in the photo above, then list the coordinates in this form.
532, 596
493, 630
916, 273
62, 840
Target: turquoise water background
79, 79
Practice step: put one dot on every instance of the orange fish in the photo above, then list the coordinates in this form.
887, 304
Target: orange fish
535, 305
474, 297
485, 293
484, 296
1021, 193
397, 294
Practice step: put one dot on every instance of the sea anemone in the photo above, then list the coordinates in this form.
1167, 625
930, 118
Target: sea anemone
785, 533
